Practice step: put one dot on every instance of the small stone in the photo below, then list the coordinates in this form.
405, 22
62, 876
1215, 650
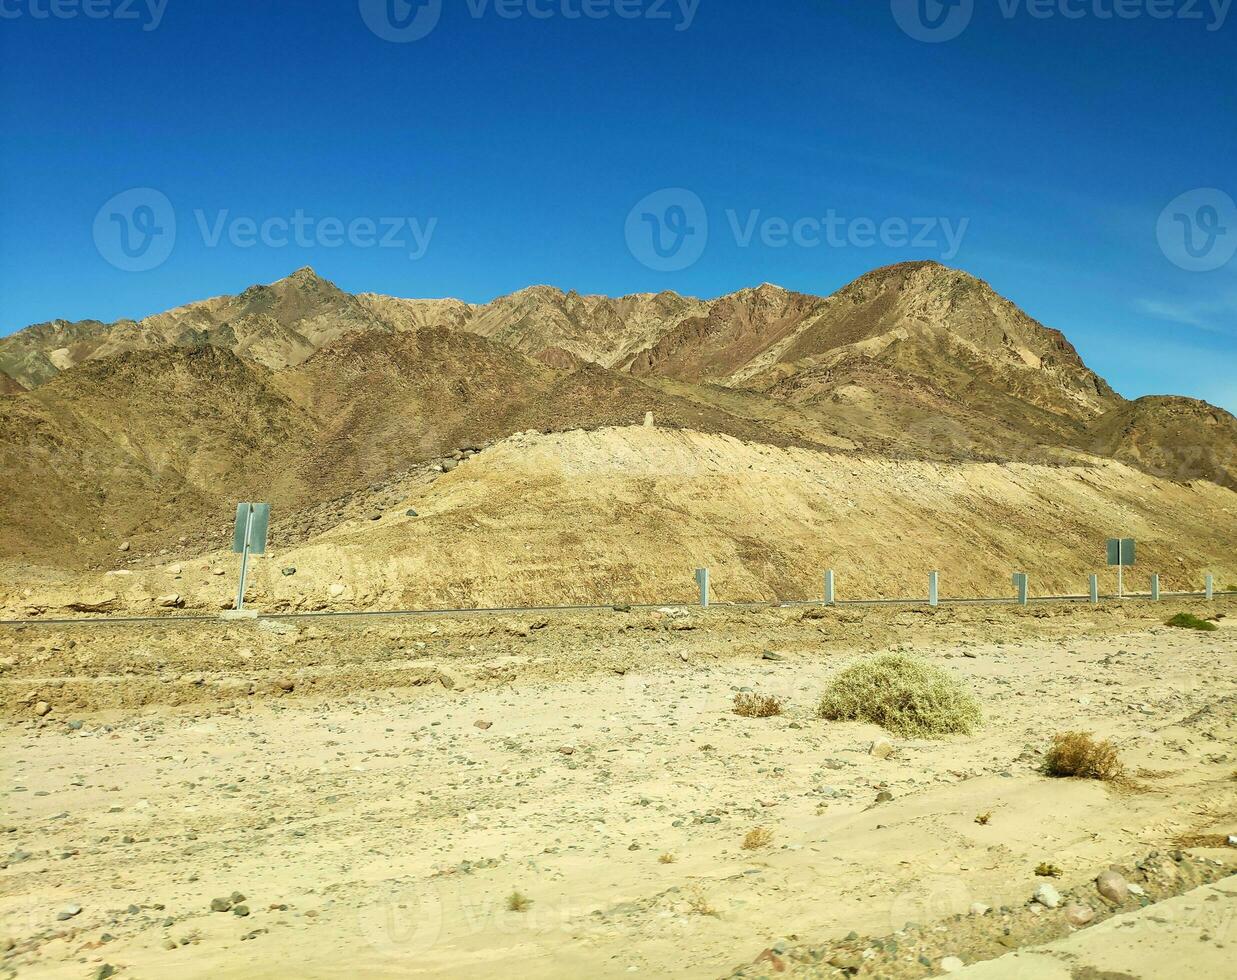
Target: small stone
1135, 889
42, 708
241, 910
881, 748
884, 796
170, 601
1047, 896
567, 749
104, 971
770, 655
951, 964
1112, 886
286, 684
288, 572
336, 589
1079, 915
483, 725
220, 904
979, 908
125, 546
411, 513
68, 912
846, 962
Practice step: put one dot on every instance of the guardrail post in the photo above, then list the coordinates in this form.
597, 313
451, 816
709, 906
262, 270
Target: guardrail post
1210, 586
702, 580
934, 595
1095, 589
829, 587
1020, 584
1155, 588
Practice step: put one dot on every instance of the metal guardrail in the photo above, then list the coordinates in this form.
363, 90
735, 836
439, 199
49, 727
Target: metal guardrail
607, 607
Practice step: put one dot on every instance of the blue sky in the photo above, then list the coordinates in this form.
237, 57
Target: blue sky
1057, 150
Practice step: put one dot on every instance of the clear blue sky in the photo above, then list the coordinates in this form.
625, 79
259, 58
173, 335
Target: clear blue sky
520, 144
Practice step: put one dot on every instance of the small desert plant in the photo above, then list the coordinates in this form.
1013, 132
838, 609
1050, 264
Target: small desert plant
748, 705
666, 858
1047, 870
698, 903
903, 695
757, 838
518, 903
1078, 755
1188, 621
983, 818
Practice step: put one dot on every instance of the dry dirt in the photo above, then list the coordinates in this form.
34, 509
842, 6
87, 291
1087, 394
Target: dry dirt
378, 790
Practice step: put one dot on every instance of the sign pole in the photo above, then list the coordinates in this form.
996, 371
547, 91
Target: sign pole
240, 593
1120, 580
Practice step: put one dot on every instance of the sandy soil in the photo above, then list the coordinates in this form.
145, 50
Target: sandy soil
338, 778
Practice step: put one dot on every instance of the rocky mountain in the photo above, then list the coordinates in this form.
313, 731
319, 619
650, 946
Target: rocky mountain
303, 394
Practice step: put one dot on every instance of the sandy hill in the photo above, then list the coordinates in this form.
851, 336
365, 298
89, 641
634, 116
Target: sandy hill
626, 514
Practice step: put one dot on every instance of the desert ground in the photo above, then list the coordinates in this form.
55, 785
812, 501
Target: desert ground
569, 795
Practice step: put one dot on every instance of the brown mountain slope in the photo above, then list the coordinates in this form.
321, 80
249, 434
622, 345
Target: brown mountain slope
275, 325
9, 386
149, 446
1176, 438
141, 445
916, 358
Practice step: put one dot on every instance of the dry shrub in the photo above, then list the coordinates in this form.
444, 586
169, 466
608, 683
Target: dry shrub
1189, 621
748, 705
1078, 755
758, 838
903, 695
667, 858
698, 903
518, 903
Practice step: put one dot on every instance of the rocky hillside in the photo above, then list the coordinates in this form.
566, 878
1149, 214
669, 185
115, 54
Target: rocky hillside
303, 394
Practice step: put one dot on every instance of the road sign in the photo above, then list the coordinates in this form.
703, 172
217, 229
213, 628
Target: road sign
255, 532
249, 538
1121, 554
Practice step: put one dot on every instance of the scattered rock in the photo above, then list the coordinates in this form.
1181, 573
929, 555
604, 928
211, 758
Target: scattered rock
1112, 886
170, 601
42, 708
1079, 915
411, 513
567, 749
125, 546
68, 912
220, 904
241, 910
483, 725
770, 655
979, 908
951, 964
881, 748
884, 796
286, 684
1047, 896
287, 572
336, 590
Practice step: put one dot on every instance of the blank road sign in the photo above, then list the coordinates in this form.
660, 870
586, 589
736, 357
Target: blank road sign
257, 529
1121, 551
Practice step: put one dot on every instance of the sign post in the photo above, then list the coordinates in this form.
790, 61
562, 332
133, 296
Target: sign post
249, 538
829, 587
702, 580
934, 584
1121, 554
1020, 585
